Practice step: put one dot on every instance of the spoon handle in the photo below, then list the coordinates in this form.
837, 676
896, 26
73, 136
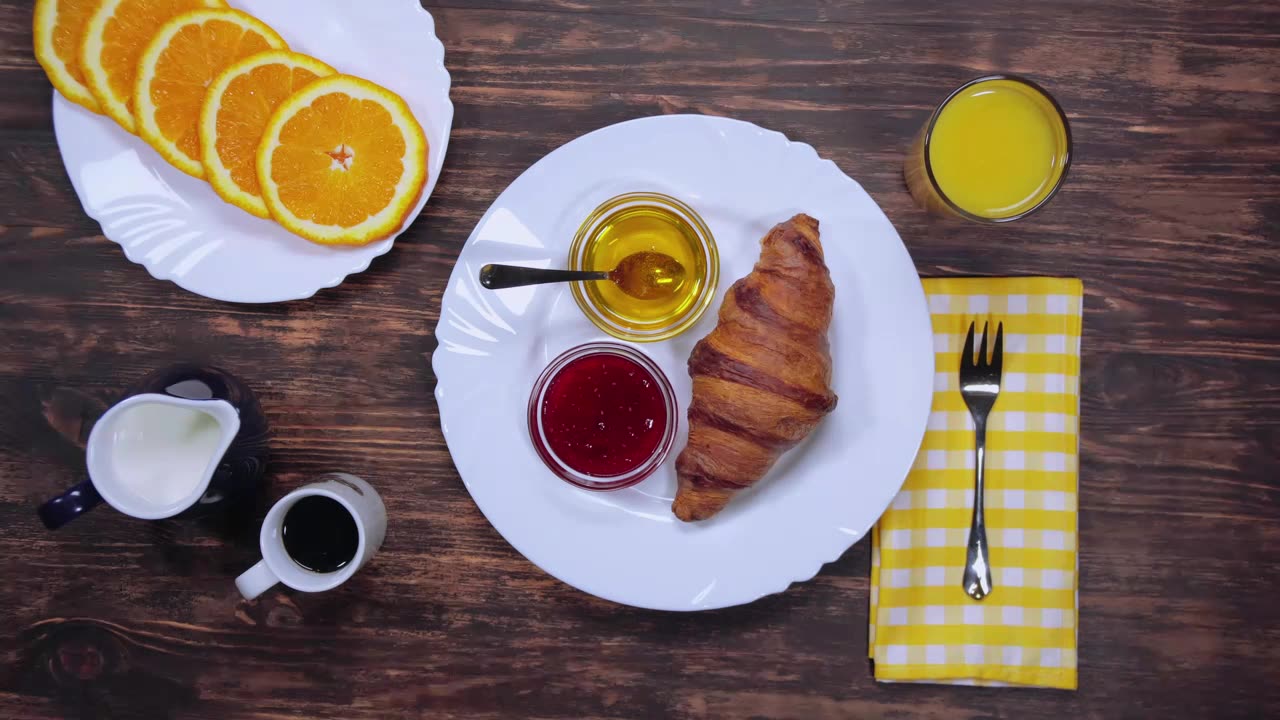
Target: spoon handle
496, 277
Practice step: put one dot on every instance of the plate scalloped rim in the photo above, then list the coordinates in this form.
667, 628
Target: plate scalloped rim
70, 118
453, 349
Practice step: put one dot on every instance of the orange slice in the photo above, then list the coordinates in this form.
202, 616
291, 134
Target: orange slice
114, 39
342, 162
58, 30
236, 111
176, 70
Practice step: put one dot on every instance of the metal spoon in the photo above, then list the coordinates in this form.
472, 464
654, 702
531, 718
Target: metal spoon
644, 275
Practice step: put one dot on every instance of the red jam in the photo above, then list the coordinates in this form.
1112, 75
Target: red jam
603, 415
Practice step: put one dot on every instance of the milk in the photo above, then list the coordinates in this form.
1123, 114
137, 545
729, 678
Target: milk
152, 455
161, 452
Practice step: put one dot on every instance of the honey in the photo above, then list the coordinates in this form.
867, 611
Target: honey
639, 223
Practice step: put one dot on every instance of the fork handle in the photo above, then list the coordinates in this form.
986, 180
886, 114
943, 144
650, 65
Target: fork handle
977, 566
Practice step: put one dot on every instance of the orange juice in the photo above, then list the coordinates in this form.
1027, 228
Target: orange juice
995, 150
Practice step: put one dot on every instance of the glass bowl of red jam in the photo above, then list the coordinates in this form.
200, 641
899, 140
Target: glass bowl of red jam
602, 416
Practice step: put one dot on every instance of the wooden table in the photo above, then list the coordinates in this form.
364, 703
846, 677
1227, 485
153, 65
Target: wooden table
1171, 216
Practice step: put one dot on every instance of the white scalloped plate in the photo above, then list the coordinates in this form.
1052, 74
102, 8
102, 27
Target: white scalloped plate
180, 230
626, 546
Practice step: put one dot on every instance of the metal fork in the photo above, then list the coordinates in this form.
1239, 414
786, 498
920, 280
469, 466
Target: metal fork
979, 386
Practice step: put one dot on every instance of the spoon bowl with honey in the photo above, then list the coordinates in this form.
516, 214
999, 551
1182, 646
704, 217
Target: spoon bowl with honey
645, 275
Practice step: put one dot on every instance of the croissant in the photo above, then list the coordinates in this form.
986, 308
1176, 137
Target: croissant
762, 378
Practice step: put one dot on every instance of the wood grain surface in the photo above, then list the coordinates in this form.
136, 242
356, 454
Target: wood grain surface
1171, 216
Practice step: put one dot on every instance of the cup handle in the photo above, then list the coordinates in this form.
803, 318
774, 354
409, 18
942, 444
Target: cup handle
256, 580
70, 505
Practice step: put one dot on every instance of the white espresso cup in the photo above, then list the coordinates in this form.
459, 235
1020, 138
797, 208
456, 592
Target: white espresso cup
279, 565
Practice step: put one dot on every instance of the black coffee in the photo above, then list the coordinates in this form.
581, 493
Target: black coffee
319, 534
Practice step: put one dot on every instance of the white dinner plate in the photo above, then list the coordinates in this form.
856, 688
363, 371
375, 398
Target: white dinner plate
626, 546
180, 230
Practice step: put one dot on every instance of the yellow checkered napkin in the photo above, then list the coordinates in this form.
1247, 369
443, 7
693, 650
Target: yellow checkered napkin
923, 626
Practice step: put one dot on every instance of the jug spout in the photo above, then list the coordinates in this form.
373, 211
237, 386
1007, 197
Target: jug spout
222, 412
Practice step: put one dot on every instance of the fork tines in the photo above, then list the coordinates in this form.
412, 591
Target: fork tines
993, 365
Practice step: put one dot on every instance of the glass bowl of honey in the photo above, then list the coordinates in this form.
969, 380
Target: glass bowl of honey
636, 223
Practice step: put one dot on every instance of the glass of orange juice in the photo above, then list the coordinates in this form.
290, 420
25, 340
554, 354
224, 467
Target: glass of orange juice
997, 149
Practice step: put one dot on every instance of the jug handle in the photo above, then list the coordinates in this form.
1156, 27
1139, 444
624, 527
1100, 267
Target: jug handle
68, 506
